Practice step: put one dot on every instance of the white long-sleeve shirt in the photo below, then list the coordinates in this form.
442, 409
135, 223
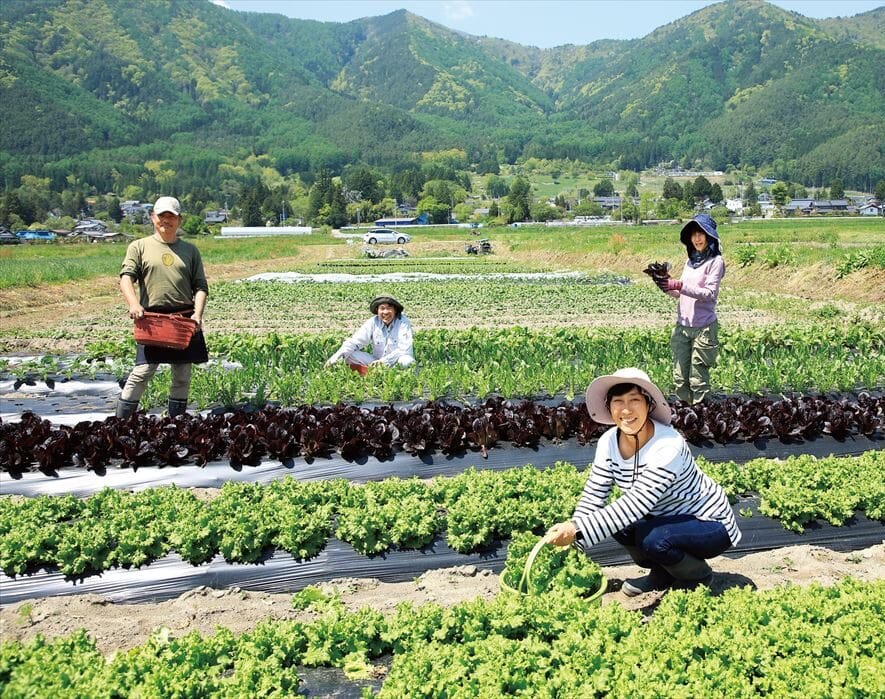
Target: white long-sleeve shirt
389, 342
667, 482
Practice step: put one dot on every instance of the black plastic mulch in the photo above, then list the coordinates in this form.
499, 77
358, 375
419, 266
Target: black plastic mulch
61, 404
169, 577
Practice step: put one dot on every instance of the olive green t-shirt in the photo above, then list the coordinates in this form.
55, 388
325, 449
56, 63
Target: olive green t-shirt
168, 274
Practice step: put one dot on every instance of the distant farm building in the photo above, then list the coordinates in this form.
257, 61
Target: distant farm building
817, 206
421, 219
219, 216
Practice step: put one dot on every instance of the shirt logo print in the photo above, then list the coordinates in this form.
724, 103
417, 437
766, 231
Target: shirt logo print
168, 260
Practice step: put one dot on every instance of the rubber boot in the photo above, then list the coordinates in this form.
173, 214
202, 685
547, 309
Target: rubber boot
657, 580
690, 572
125, 408
177, 407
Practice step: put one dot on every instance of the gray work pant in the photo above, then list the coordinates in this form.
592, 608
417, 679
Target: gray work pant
694, 354
142, 373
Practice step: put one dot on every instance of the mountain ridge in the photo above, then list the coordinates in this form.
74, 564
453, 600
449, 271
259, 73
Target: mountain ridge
104, 78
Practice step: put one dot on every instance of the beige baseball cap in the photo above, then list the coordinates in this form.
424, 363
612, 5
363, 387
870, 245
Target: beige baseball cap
167, 204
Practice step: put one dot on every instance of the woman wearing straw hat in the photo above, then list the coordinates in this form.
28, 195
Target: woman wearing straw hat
388, 331
695, 339
671, 516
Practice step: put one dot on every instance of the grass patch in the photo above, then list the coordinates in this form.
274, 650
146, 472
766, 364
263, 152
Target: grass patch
796, 243
31, 265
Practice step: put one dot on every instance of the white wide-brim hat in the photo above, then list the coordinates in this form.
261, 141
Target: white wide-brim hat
598, 389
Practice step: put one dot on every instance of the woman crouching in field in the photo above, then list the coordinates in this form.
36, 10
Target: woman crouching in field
671, 516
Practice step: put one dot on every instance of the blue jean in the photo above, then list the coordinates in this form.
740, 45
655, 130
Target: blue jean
666, 540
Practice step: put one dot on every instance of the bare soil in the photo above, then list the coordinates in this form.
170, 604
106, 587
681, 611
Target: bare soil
122, 626
48, 305
40, 319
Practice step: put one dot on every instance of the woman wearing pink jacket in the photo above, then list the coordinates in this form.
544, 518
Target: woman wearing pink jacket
695, 339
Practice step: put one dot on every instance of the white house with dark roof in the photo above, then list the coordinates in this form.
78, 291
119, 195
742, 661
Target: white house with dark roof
818, 206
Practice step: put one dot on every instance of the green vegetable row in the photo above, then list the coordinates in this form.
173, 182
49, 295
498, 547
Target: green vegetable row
511, 362
788, 642
116, 528
516, 362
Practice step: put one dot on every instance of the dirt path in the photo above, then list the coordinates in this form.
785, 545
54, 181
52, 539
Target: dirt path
122, 626
42, 306
56, 318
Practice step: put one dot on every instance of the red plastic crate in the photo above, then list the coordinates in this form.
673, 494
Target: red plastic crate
163, 330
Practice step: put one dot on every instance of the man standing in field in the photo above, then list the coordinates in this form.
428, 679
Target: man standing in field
170, 278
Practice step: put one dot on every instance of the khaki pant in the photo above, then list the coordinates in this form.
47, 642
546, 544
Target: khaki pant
694, 354
142, 373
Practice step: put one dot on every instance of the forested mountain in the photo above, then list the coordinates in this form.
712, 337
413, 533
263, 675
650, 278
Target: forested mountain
865, 28
185, 93
742, 82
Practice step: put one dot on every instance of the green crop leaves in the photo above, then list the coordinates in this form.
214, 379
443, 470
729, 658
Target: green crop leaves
786, 642
518, 362
554, 568
389, 513
248, 521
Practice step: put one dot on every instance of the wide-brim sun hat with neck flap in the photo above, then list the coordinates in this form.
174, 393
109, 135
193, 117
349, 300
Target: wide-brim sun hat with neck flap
599, 387
703, 221
378, 300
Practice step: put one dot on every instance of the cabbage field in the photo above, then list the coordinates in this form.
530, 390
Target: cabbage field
288, 478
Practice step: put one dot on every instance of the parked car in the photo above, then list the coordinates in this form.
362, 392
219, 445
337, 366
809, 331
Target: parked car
36, 235
385, 235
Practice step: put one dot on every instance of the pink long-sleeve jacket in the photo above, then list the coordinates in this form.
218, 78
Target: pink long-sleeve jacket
700, 289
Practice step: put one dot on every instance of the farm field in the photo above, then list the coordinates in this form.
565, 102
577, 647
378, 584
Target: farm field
795, 262
805, 317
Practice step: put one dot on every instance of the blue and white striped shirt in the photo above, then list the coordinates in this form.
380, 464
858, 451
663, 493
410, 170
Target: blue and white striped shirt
668, 482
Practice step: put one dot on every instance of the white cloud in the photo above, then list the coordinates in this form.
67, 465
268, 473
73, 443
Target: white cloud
220, 3
458, 10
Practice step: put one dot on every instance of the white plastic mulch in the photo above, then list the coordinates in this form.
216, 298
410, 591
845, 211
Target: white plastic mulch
66, 388
293, 277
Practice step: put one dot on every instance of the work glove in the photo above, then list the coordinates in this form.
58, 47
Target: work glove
660, 274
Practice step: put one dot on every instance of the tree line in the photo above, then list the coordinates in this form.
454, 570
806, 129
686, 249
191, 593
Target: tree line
444, 185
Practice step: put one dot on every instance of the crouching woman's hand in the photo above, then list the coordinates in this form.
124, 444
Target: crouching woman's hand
561, 534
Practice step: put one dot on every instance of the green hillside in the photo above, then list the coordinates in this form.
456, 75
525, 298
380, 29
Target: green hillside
98, 89
866, 28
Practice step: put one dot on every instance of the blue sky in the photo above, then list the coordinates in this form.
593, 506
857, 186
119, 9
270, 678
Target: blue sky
542, 23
